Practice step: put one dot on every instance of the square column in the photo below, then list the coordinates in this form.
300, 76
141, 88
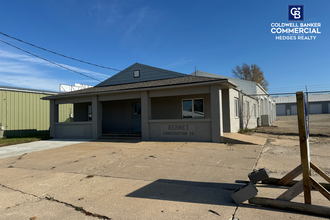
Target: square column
216, 113
145, 115
53, 115
96, 118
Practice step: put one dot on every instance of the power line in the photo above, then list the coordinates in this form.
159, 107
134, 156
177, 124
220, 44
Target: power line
49, 61
93, 64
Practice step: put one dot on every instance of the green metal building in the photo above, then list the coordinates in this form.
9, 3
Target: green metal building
24, 113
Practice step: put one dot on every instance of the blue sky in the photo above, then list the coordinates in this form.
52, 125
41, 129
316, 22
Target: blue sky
215, 36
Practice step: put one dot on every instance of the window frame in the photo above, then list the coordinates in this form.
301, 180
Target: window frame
248, 109
255, 110
193, 110
138, 75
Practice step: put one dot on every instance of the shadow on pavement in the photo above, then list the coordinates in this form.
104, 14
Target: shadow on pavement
188, 191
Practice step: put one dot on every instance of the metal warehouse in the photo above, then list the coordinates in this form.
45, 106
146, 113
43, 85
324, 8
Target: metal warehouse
24, 113
158, 104
317, 104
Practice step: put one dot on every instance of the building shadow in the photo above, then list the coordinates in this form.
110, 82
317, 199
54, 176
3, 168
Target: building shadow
188, 191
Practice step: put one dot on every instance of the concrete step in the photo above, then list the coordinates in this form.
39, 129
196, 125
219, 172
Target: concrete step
236, 138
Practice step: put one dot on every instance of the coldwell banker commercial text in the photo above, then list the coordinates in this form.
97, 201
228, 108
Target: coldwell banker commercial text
295, 31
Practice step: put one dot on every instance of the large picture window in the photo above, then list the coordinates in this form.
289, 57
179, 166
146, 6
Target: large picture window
193, 108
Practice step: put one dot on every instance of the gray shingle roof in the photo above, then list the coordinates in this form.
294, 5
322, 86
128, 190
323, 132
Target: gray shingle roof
140, 85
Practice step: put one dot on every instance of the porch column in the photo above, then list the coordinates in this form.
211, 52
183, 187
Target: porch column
53, 114
145, 115
96, 118
216, 113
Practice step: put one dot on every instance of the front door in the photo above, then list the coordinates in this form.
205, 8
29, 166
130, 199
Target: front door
136, 117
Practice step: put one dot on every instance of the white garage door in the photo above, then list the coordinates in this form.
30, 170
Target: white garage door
315, 108
280, 109
293, 109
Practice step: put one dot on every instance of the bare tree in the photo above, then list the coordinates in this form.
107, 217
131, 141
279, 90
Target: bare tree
251, 73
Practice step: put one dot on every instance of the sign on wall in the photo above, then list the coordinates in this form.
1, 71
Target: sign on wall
182, 130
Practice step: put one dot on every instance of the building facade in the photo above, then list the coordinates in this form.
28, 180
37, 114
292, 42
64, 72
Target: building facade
155, 104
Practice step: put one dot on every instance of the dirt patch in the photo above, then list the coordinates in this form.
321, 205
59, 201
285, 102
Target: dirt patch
319, 126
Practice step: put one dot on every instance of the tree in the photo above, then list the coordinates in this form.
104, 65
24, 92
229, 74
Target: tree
251, 73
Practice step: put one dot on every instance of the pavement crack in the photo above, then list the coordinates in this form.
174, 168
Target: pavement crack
79, 209
19, 191
234, 218
214, 212
261, 151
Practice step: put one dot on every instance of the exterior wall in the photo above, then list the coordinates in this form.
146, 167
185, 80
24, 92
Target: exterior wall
117, 116
147, 73
250, 118
161, 111
193, 90
171, 107
25, 113
198, 130
234, 121
73, 130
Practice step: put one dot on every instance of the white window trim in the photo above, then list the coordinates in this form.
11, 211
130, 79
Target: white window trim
255, 110
193, 110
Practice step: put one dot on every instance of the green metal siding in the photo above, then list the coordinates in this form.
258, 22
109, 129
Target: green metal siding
23, 113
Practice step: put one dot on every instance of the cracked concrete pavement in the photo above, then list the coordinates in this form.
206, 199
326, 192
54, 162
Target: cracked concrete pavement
137, 180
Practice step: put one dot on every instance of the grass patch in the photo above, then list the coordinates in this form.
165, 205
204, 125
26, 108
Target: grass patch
245, 131
20, 140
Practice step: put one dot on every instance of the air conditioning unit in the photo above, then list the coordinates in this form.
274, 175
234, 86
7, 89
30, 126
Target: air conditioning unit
265, 120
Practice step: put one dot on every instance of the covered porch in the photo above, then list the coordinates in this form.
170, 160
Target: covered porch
192, 112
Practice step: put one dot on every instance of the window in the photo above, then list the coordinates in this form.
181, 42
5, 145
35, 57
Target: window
193, 108
255, 110
136, 73
89, 116
236, 107
247, 109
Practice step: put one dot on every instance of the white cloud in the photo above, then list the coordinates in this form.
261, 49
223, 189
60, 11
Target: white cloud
27, 71
32, 82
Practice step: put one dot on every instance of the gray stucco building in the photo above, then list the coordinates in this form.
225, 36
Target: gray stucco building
155, 104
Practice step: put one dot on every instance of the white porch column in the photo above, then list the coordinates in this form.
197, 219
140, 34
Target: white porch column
53, 114
145, 115
96, 118
216, 113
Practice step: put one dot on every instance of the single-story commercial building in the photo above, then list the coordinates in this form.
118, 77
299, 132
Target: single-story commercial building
156, 104
317, 104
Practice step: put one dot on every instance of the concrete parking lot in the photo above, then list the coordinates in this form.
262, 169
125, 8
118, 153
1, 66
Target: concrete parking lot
120, 179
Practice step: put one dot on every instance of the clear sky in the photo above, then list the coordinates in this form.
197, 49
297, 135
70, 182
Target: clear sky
177, 35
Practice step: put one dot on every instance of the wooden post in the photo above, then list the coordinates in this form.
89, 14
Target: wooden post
304, 145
